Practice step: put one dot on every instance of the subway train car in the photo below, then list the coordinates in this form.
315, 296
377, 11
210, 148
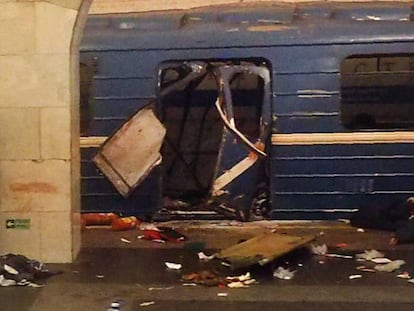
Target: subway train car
302, 111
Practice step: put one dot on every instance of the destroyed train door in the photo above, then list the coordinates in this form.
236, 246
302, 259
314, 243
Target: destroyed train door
226, 175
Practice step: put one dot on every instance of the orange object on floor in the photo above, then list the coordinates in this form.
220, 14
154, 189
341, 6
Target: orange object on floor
98, 219
125, 223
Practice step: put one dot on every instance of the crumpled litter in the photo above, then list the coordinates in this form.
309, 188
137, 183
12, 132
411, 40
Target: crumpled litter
240, 278
283, 274
22, 271
319, 249
390, 267
355, 276
160, 234
370, 254
339, 256
204, 257
404, 275
204, 277
173, 266
147, 303
240, 281
381, 260
209, 278
365, 269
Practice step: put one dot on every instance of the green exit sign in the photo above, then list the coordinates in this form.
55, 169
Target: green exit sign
17, 223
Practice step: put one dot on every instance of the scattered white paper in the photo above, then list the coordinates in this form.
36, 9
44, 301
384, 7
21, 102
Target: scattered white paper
370, 254
158, 241
126, 241
160, 288
283, 274
404, 275
10, 270
6, 282
148, 226
189, 284
222, 294
319, 249
355, 276
236, 285
173, 266
240, 278
390, 267
381, 260
360, 230
147, 303
339, 256
204, 257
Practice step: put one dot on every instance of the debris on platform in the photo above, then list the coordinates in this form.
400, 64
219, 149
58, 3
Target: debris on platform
222, 294
319, 249
240, 281
411, 281
115, 306
390, 267
125, 223
98, 219
204, 257
404, 275
365, 269
368, 255
354, 276
204, 277
381, 260
173, 266
160, 288
161, 234
262, 249
147, 303
331, 255
126, 241
283, 274
22, 271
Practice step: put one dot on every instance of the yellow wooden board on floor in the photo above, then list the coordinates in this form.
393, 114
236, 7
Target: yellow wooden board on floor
262, 249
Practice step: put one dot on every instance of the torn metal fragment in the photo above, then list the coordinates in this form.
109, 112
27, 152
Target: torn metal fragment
262, 249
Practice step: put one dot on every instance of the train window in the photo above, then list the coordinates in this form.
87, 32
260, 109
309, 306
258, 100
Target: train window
377, 92
86, 74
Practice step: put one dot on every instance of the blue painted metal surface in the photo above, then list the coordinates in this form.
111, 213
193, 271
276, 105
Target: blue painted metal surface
304, 45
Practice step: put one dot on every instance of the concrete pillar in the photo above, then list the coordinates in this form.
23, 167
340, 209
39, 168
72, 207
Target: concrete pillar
39, 140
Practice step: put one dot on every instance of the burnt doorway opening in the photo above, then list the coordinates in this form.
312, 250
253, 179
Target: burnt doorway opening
213, 116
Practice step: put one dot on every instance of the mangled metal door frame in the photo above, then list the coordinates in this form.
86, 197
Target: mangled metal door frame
224, 75
126, 178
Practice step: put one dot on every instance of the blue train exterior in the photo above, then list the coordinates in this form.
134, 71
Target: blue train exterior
319, 165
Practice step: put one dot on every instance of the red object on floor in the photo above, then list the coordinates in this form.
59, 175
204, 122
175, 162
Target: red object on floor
125, 223
98, 219
163, 233
152, 235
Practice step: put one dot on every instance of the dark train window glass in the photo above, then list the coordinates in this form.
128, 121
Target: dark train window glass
377, 92
86, 74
